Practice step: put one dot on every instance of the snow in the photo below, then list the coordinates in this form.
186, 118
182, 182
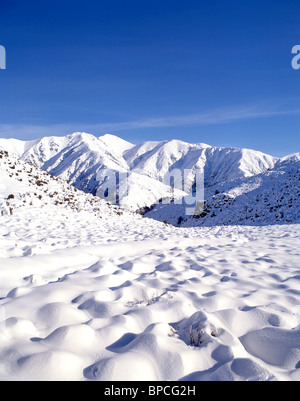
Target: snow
114, 142
291, 158
272, 197
89, 291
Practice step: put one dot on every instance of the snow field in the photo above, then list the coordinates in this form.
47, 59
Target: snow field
158, 303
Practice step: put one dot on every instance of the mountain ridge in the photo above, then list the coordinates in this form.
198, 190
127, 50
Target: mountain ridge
84, 160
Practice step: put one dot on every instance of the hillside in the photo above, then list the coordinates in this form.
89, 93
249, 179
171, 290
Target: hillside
24, 186
272, 197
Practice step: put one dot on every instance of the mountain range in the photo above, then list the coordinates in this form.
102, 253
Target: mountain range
86, 162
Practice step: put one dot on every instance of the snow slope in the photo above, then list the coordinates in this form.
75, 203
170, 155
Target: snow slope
272, 197
218, 164
23, 186
90, 292
82, 158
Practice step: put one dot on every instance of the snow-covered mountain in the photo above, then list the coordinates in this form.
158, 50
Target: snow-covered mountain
218, 164
84, 160
271, 197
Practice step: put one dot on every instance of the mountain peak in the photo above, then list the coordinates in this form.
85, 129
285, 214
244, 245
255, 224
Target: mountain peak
116, 143
295, 157
80, 136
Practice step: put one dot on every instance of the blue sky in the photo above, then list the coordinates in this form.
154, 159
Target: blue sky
210, 71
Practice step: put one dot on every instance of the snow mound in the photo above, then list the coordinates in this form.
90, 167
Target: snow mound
178, 304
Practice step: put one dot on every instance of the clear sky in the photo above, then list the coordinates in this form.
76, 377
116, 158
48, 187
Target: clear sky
210, 71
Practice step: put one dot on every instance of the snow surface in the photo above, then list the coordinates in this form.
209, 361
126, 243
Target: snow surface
89, 291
